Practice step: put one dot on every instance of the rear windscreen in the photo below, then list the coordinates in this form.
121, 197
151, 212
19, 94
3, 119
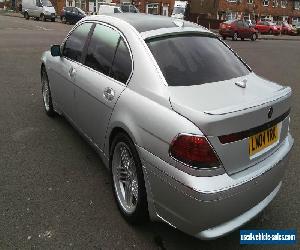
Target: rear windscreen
187, 60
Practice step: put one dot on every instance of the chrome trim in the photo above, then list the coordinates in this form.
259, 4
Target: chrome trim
121, 35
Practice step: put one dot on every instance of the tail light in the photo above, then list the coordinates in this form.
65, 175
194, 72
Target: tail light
194, 151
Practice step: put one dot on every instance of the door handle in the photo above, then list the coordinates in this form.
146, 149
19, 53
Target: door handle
109, 94
72, 72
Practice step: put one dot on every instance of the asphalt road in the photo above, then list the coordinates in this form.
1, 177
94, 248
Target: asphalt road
55, 192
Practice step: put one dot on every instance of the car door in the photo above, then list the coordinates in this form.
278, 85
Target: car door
98, 85
247, 31
63, 73
240, 28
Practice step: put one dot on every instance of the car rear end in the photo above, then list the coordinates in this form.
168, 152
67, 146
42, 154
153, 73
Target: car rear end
227, 29
220, 178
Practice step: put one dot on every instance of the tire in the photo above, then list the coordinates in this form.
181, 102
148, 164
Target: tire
26, 16
235, 36
36, 18
46, 93
63, 19
43, 18
224, 37
242, 38
270, 32
53, 19
253, 37
128, 180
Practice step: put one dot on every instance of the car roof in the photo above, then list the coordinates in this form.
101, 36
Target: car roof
145, 22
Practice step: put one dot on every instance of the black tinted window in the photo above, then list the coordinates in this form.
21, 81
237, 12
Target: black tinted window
74, 45
102, 49
192, 60
122, 66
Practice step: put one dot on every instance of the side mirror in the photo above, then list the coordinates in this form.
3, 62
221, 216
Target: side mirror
55, 50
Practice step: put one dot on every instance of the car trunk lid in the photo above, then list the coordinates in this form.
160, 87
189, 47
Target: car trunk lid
239, 105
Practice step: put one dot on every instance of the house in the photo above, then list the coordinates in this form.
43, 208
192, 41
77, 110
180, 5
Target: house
274, 10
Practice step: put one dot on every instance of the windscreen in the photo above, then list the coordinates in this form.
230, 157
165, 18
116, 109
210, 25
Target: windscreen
46, 3
187, 60
178, 10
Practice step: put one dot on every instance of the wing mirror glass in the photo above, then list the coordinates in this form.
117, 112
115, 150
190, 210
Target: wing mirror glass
55, 50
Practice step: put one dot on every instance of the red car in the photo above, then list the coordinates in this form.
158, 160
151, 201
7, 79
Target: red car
267, 27
237, 29
287, 29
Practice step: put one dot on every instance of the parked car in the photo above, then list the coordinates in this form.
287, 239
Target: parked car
39, 9
147, 92
297, 27
113, 8
287, 29
71, 14
267, 27
237, 29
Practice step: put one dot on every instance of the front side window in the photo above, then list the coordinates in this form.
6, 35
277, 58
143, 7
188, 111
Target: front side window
102, 48
187, 60
73, 48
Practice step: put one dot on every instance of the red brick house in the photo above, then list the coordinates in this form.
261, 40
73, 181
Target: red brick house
259, 9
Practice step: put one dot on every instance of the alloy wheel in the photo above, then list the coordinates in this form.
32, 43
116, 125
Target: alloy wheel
45, 91
125, 178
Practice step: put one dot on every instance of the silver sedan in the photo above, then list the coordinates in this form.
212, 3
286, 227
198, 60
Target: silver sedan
191, 135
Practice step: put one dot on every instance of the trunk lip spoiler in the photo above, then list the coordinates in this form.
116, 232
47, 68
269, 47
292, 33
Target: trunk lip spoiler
284, 92
224, 139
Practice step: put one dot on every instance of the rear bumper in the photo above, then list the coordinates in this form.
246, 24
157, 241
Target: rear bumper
210, 207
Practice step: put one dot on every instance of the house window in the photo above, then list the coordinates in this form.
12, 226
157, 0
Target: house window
250, 1
284, 3
265, 2
152, 9
297, 5
230, 15
275, 3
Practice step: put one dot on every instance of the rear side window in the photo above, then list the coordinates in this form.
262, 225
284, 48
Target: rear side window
102, 48
193, 60
73, 48
122, 64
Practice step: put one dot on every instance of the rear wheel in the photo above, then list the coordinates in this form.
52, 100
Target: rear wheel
271, 32
242, 38
47, 98
53, 19
224, 37
26, 16
254, 37
43, 18
235, 36
128, 180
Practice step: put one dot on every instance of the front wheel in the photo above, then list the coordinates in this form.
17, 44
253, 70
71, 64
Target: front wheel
253, 37
53, 19
26, 16
224, 37
128, 180
46, 92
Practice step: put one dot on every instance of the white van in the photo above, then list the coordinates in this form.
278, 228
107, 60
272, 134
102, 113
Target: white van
113, 8
109, 8
39, 9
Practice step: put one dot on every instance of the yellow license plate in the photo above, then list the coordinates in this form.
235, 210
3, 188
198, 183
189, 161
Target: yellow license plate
262, 140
